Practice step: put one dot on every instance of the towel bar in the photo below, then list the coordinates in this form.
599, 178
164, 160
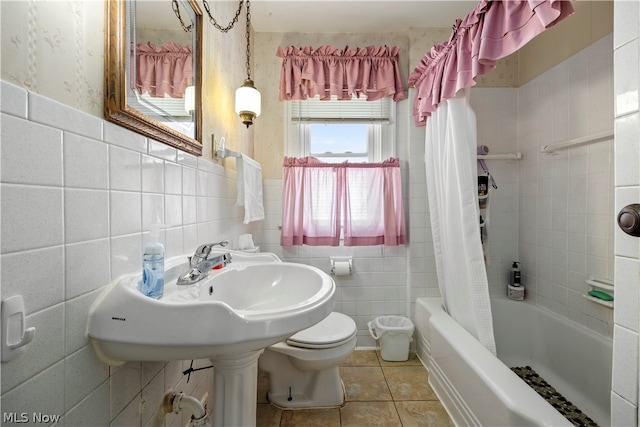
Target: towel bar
221, 154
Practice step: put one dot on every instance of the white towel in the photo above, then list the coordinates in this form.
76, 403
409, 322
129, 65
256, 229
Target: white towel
250, 188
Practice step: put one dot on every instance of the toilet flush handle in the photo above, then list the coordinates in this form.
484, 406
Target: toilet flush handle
629, 219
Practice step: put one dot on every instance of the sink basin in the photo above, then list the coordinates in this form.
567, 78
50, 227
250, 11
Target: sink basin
229, 317
248, 305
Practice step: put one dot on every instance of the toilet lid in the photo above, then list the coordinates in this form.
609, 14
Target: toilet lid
330, 332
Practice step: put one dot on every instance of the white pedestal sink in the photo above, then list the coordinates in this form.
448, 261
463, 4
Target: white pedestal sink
235, 381
230, 317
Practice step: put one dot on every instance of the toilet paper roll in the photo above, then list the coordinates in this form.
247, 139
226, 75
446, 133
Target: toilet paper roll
341, 268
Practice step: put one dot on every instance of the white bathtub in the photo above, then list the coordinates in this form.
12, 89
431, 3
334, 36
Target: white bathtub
478, 389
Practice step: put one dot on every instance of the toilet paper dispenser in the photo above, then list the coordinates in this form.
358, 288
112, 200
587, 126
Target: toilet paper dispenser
341, 266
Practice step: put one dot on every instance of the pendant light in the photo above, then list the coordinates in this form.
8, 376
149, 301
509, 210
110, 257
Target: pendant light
247, 96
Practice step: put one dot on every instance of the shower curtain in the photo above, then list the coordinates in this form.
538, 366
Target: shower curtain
451, 165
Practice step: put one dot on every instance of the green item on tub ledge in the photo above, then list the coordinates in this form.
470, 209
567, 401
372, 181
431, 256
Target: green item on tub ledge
601, 295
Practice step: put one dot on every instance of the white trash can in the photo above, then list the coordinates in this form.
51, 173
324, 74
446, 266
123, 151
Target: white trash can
394, 334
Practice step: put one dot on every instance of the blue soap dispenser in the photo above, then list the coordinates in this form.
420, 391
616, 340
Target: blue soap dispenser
152, 284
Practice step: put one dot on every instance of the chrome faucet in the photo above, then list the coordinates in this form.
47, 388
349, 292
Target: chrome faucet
201, 265
203, 251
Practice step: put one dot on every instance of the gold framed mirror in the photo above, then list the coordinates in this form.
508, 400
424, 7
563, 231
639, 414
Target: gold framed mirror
133, 97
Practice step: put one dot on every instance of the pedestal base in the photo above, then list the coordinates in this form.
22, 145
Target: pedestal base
235, 385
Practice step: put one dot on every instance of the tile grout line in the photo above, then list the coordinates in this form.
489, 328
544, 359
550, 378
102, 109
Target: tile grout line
390, 392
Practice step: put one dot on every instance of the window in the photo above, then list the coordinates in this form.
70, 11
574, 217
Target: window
335, 131
337, 142
325, 204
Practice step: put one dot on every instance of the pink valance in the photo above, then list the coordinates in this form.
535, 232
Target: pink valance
166, 69
371, 71
492, 31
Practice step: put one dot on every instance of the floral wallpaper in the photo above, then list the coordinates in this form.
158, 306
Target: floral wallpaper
63, 42
56, 49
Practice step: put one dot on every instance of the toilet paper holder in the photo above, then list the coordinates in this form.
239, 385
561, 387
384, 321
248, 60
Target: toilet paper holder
336, 259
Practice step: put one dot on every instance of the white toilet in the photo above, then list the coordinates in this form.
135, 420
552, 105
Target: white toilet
303, 370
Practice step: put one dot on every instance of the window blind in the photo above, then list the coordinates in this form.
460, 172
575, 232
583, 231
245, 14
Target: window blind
354, 110
164, 107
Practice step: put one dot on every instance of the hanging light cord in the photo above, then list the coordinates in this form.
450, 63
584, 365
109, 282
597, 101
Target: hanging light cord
176, 10
230, 24
248, 34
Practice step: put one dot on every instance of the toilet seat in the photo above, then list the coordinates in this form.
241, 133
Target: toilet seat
331, 332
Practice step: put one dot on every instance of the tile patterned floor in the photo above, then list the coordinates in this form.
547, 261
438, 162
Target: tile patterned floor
379, 393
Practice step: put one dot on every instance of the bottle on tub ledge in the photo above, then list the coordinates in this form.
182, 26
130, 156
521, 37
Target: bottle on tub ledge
515, 289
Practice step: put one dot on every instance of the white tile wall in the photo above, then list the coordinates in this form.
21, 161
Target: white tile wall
624, 394
623, 413
78, 196
625, 364
423, 279
86, 162
565, 200
32, 217
627, 155
496, 116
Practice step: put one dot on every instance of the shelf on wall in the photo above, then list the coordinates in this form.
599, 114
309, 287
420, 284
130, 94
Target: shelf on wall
602, 285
